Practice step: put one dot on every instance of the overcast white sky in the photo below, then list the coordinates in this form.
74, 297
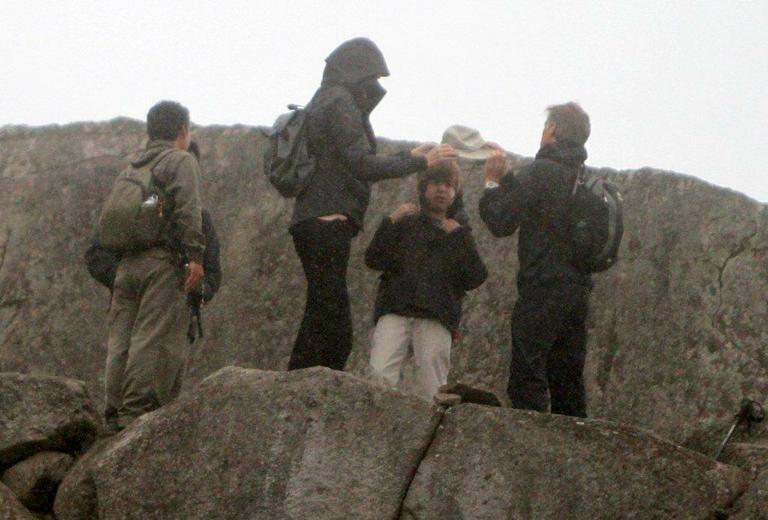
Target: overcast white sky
680, 86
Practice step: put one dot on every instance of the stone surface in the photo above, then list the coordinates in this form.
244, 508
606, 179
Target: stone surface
76, 497
253, 444
39, 413
754, 504
10, 507
490, 463
678, 327
34, 480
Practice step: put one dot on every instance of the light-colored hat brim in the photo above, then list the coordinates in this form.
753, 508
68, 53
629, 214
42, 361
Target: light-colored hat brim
475, 155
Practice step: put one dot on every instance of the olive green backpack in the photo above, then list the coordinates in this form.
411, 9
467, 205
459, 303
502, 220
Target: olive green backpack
132, 217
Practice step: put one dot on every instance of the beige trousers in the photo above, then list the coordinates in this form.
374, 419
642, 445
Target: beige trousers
147, 345
431, 343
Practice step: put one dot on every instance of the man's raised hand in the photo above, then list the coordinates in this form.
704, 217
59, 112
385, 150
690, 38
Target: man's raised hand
496, 165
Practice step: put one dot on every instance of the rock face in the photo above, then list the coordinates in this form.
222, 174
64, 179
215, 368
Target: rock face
754, 504
34, 480
251, 444
40, 413
76, 497
489, 463
10, 507
678, 327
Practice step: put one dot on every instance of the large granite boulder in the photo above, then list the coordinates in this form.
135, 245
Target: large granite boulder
678, 327
252, 444
39, 413
10, 507
489, 463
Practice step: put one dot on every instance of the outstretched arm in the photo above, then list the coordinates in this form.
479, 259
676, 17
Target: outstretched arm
503, 207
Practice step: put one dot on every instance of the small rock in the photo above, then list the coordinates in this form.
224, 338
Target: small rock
442, 399
35, 480
10, 507
44, 413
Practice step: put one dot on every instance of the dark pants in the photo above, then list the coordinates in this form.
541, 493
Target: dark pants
549, 346
325, 336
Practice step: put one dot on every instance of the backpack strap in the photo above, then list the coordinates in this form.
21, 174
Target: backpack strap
580, 179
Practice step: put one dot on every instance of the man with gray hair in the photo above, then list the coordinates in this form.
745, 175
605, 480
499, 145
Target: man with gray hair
549, 335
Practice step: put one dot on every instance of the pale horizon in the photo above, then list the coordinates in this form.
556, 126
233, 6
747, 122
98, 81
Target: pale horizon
674, 86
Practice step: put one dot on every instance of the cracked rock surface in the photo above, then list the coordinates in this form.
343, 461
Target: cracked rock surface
489, 463
311, 443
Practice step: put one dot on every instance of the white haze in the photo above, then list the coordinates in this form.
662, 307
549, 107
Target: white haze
674, 85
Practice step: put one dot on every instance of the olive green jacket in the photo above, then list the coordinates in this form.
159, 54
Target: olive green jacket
178, 174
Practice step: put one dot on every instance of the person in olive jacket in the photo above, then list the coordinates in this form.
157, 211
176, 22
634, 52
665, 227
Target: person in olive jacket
428, 261
330, 210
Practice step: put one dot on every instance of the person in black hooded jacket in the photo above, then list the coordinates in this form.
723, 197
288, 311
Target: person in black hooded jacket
330, 210
549, 336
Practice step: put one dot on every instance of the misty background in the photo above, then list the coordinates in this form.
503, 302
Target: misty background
676, 85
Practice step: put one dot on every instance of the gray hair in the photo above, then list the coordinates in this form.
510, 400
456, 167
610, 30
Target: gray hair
572, 122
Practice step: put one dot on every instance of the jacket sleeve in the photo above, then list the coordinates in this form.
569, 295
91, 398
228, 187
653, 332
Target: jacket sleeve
211, 259
383, 253
343, 124
183, 188
503, 208
470, 271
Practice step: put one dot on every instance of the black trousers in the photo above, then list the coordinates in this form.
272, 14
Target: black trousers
549, 346
325, 335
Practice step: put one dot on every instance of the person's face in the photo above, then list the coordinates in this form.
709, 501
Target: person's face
183, 138
548, 135
439, 196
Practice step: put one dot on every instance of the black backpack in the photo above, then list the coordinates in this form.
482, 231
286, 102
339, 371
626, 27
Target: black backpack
101, 263
287, 162
596, 223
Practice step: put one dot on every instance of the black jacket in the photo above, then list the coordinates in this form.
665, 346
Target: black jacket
426, 270
536, 201
341, 139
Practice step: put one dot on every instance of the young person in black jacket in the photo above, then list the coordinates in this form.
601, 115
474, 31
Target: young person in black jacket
330, 211
549, 335
428, 261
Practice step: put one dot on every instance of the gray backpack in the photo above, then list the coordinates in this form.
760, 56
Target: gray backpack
132, 217
287, 162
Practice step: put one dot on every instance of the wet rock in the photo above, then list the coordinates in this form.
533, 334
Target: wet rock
490, 463
39, 413
313, 443
34, 480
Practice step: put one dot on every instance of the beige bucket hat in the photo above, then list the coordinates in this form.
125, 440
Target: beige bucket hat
467, 142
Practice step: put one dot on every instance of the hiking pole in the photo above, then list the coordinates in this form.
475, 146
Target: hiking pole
750, 412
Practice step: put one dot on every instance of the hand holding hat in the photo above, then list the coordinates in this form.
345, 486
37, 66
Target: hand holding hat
468, 143
434, 153
496, 165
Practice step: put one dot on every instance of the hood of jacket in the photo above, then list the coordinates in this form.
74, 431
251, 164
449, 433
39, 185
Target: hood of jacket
565, 152
357, 64
153, 149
